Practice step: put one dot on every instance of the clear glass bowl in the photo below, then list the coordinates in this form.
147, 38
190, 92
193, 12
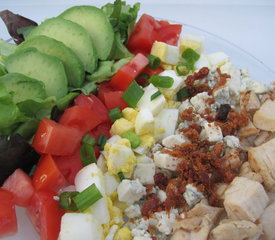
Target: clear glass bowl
242, 59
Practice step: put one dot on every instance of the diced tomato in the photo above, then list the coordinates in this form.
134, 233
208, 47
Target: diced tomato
169, 34
103, 128
148, 30
56, 139
127, 73
6, 196
47, 176
97, 151
94, 103
69, 165
151, 71
143, 35
114, 100
20, 184
103, 88
8, 221
81, 118
45, 214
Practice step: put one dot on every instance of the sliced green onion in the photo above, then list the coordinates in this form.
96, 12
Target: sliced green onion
143, 75
65, 102
190, 55
154, 61
87, 198
155, 95
87, 154
102, 139
161, 81
133, 138
182, 94
121, 176
88, 139
183, 68
115, 114
133, 94
66, 201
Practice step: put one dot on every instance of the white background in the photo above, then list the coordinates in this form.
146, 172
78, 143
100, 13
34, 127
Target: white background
250, 24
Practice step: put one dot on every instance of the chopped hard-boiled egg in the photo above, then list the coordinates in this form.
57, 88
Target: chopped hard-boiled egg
177, 84
123, 234
111, 183
144, 123
191, 41
202, 62
217, 59
165, 123
82, 226
120, 157
130, 114
167, 53
121, 126
154, 105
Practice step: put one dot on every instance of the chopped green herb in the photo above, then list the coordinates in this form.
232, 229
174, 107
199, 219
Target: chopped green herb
133, 94
115, 114
182, 94
101, 141
143, 75
183, 68
190, 55
88, 139
87, 154
154, 62
66, 201
133, 138
161, 81
155, 95
87, 198
121, 176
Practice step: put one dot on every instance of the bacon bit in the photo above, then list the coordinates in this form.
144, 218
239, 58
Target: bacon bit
222, 81
174, 196
187, 114
195, 89
234, 122
150, 205
160, 180
210, 100
149, 188
192, 134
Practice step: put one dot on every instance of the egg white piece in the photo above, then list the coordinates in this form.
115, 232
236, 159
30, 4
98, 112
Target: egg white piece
80, 226
144, 122
165, 123
154, 105
87, 176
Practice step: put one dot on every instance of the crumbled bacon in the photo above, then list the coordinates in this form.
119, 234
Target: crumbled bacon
160, 180
187, 114
151, 205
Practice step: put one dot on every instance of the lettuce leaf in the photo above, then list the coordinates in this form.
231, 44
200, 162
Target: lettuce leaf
122, 17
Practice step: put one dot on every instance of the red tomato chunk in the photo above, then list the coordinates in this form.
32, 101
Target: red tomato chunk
56, 139
47, 175
80, 118
114, 100
20, 184
127, 73
45, 214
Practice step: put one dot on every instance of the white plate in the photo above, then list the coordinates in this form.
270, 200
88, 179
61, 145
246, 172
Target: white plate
213, 43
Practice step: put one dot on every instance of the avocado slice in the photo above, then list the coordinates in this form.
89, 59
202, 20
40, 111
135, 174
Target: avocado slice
95, 21
40, 66
23, 87
73, 36
73, 66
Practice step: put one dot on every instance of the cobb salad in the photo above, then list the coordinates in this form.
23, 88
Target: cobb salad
113, 128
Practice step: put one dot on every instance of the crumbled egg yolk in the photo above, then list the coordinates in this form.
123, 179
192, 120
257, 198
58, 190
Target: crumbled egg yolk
147, 141
129, 114
121, 126
159, 49
187, 43
120, 157
123, 234
172, 104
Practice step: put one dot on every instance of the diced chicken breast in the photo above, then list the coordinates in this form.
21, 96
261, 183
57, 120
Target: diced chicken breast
264, 118
262, 161
250, 101
249, 130
220, 189
247, 172
262, 137
232, 158
245, 199
268, 222
237, 230
197, 224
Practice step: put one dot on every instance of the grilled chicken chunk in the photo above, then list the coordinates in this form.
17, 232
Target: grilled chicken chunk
264, 118
245, 199
197, 223
237, 230
262, 161
268, 222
